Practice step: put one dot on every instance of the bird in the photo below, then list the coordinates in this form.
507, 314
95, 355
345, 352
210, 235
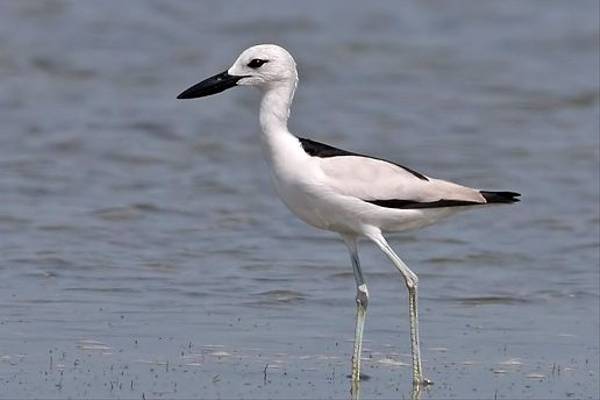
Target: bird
354, 195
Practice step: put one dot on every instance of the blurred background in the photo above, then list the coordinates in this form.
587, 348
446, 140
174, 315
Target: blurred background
143, 252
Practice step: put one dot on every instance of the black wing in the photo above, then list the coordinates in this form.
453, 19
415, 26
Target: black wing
323, 150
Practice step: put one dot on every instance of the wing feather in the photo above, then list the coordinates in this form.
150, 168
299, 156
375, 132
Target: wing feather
376, 180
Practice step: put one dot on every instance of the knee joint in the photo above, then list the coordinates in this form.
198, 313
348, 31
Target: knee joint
412, 281
362, 295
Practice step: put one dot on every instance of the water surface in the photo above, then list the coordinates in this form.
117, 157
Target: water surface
144, 253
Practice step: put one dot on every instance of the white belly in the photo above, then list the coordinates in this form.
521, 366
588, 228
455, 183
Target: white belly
312, 203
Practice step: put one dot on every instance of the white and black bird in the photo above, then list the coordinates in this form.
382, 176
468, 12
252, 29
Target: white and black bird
355, 195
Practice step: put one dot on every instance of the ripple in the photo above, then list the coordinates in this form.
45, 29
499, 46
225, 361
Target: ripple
92, 345
118, 213
12, 221
389, 362
114, 290
46, 261
487, 300
155, 129
129, 212
512, 362
281, 296
535, 376
59, 228
136, 159
269, 26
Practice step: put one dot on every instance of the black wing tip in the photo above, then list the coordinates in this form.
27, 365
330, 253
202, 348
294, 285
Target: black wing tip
500, 197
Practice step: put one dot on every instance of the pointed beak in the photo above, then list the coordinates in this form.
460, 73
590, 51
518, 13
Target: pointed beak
213, 85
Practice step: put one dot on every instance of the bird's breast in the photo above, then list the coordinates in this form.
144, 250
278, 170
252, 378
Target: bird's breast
299, 190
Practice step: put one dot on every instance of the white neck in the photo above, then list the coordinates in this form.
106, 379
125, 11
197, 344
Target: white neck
275, 106
278, 143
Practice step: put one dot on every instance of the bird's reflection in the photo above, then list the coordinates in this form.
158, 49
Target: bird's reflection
354, 389
415, 393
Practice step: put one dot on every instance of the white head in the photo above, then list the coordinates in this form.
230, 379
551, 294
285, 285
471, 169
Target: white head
264, 66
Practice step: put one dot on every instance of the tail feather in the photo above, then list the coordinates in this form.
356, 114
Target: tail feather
500, 197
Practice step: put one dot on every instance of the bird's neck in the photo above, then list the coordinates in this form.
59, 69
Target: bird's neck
275, 105
274, 114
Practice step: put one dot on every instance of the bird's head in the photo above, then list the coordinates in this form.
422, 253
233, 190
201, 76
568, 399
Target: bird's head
264, 66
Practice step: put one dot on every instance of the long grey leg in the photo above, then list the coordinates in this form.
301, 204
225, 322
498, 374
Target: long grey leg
411, 280
362, 300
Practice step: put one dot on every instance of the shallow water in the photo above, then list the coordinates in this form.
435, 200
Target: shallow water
145, 255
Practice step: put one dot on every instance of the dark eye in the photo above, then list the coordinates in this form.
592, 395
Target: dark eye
257, 63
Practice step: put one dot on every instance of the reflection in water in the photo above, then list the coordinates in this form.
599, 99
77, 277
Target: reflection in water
415, 393
354, 389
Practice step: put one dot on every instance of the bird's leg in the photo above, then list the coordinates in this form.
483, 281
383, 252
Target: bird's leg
362, 300
411, 280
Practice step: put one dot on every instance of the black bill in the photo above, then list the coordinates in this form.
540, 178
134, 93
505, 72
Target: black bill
213, 85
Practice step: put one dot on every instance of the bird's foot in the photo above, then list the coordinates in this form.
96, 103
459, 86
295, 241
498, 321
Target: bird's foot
423, 382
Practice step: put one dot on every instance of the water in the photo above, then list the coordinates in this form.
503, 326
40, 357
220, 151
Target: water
144, 253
